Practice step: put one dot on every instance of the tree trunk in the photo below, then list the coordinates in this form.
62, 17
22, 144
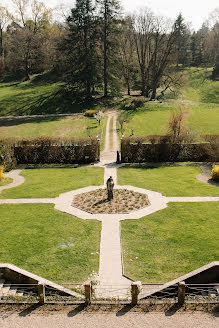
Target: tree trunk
129, 93
1, 43
105, 68
154, 92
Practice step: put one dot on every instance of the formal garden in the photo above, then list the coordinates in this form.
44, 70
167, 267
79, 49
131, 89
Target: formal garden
64, 248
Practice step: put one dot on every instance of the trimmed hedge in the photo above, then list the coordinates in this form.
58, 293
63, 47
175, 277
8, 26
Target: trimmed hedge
138, 150
56, 151
7, 158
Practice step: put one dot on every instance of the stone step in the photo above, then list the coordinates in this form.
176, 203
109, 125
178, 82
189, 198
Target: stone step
5, 289
12, 291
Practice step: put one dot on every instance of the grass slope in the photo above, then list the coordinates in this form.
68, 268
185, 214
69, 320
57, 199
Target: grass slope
69, 126
172, 181
171, 242
32, 235
200, 98
50, 182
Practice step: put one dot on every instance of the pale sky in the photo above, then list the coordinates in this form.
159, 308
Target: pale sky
194, 11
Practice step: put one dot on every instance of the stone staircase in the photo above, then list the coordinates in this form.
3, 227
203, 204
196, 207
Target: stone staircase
8, 290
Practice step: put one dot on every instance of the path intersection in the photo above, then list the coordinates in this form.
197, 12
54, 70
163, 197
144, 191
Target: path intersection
110, 280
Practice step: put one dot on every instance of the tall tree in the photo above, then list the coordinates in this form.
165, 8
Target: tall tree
81, 45
27, 36
182, 40
109, 14
163, 54
143, 27
127, 54
4, 19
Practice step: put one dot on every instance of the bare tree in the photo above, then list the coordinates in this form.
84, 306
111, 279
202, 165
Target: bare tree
163, 53
5, 17
127, 54
143, 27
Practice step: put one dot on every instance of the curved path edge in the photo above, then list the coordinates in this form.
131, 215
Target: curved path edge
17, 179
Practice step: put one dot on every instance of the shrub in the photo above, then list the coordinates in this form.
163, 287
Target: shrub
7, 158
215, 173
212, 138
90, 113
127, 106
2, 176
132, 105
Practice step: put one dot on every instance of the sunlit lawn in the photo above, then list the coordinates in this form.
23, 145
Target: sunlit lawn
169, 180
54, 245
172, 242
201, 102
50, 182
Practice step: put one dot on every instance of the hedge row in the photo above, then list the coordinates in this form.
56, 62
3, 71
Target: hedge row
56, 151
7, 158
132, 152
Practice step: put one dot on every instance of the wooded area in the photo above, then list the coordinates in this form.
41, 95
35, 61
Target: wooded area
98, 50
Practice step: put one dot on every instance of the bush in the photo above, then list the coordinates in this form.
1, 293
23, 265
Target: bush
132, 105
2, 176
7, 158
215, 173
213, 138
90, 112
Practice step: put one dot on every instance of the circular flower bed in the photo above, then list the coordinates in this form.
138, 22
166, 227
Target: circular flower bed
124, 201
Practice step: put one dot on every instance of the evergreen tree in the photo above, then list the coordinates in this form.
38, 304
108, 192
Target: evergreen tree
109, 11
182, 40
81, 45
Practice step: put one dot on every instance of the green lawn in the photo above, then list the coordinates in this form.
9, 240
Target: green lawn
172, 242
40, 96
50, 182
5, 181
111, 133
33, 237
69, 126
200, 99
169, 180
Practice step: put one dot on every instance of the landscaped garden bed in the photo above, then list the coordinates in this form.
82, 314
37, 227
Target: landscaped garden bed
124, 201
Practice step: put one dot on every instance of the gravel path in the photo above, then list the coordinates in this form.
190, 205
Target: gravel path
72, 319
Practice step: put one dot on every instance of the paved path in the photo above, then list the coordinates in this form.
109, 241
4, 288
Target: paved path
111, 280
205, 176
78, 317
17, 179
72, 317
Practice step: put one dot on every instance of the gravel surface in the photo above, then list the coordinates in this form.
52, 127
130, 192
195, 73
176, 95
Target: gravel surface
114, 320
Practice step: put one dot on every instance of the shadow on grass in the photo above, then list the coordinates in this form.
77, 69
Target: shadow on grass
211, 95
